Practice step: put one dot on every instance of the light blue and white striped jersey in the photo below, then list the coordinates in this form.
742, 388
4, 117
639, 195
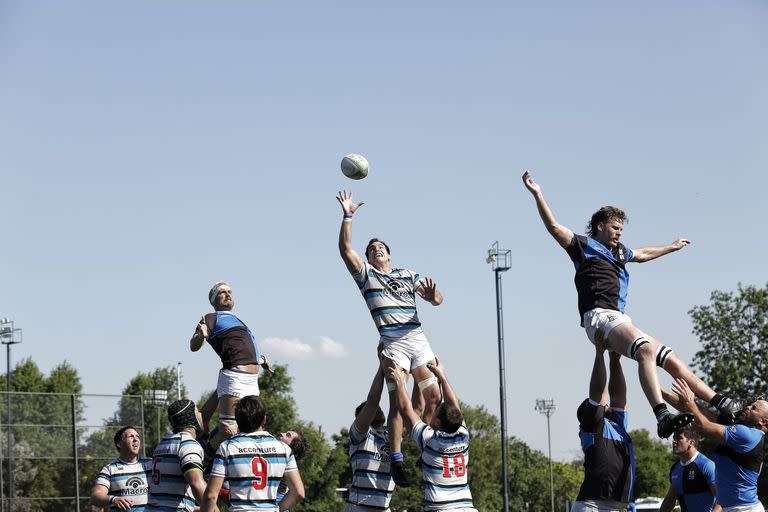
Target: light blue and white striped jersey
391, 299
253, 464
372, 484
444, 461
127, 480
174, 456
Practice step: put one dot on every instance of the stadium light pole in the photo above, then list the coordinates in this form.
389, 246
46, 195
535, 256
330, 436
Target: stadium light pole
8, 337
546, 406
501, 261
158, 398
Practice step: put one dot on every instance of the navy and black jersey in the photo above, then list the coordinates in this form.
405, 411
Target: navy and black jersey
738, 462
231, 339
601, 277
609, 458
693, 483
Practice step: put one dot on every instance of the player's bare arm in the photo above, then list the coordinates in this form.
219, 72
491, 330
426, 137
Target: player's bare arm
669, 500
598, 379
351, 259
367, 414
559, 232
644, 254
395, 375
449, 396
100, 497
211, 494
617, 384
708, 428
428, 291
200, 336
194, 478
295, 490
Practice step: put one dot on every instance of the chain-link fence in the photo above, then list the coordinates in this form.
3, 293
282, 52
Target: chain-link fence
54, 444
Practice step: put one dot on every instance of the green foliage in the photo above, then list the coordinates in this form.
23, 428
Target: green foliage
733, 330
652, 462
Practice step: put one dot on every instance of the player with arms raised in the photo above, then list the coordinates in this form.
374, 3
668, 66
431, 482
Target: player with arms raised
390, 295
601, 282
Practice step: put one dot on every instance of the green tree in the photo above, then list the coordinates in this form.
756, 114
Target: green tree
733, 331
653, 459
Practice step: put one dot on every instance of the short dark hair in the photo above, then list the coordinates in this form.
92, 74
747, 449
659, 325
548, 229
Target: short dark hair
250, 413
605, 214
119, 435
299, 445
373, 241
450, 418
691, 432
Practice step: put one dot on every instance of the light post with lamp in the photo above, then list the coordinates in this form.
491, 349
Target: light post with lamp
158, 398
9, 335
546, 406
501, 261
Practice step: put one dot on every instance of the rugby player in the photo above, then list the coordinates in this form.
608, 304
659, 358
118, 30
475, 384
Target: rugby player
443, 444
177, 480
390, 295
692, 476
601, 282
253, 462
122, 484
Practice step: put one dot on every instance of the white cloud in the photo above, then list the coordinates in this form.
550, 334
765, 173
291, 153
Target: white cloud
287, 348
331, 348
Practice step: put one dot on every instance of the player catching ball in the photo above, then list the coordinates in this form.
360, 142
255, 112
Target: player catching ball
390, 295
601, 282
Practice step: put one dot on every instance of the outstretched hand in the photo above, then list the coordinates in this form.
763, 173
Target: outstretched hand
437, 369
531, 185
428, 289
202, 328
347, 204
679, 244
683, 391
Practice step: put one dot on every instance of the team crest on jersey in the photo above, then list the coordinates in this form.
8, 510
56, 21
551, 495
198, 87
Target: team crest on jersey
691, 475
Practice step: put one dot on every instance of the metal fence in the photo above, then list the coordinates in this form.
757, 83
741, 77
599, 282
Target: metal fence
52, 446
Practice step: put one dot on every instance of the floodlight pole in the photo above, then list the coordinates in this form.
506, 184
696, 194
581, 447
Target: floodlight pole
547, 407
158, 398
8, 337
178, 380
500, 261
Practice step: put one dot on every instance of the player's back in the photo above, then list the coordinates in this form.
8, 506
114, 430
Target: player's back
168, 489
253, 464
444, 458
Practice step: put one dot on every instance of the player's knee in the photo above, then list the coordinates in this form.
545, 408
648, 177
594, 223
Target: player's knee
641, 349
663, 354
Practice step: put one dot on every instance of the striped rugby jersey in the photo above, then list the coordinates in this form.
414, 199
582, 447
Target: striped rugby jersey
174, 456
127, 480
444, 461
372, 484
391, 298
253, 464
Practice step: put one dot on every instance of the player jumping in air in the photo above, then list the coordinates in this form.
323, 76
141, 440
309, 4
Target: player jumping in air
601, 283
391, 297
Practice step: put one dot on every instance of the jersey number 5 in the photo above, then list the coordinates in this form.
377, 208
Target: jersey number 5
459, 466
155, 471
259, 468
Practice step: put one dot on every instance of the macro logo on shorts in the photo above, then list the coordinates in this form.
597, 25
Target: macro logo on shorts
135, 486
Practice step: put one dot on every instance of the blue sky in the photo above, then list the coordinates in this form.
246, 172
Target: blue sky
147, 150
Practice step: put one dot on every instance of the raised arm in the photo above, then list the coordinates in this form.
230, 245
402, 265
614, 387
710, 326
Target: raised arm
644, 254
559, 232
669, 500
351, 259
395, 375
708, 429
599, 378
427, 290
449, 396
211, 494
295, 490
368, 412
617, 384
200, 336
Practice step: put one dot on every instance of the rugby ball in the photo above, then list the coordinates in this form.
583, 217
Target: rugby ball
354, 166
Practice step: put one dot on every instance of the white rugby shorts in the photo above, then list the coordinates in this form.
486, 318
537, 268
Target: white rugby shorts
757, 507
409, 352
603, 321
237, 383
599, 506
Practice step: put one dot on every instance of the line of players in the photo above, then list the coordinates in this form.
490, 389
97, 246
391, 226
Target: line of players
601, 282
434, 418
